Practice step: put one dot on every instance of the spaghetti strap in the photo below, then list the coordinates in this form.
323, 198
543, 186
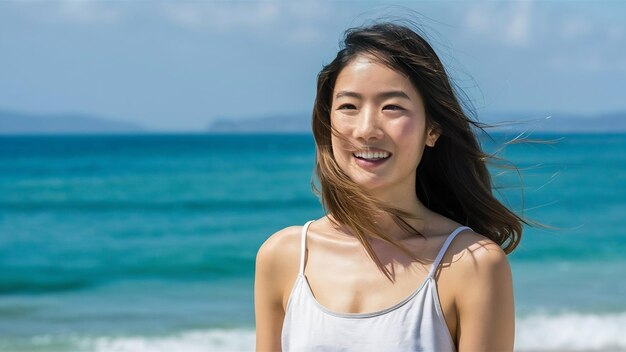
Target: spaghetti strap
303, 245
443, 249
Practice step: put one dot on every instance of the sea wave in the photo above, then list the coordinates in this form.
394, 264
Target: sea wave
61, 279
23, 285
217, 340
571, 332
212, 340
176, 205
539, 332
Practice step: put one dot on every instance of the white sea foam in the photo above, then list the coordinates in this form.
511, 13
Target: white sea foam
571, 332
538, 332
214, 340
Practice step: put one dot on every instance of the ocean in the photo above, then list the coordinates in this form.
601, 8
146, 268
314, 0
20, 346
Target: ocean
148, 242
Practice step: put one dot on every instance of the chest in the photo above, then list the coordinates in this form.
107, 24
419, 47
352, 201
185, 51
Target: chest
413, 324
361, 291
344, 279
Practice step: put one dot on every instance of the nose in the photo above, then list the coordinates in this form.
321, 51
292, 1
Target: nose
368, 127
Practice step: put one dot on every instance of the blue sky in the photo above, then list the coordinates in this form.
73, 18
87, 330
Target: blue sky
177, 65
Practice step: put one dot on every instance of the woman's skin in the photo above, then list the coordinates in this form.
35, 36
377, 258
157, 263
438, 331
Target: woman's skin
380, 111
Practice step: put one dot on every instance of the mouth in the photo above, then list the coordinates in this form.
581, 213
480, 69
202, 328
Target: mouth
369, 159
372, 155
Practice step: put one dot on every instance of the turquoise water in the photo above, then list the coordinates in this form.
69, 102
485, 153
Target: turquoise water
147, 242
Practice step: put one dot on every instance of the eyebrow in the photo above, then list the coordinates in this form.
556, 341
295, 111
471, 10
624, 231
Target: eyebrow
383, 95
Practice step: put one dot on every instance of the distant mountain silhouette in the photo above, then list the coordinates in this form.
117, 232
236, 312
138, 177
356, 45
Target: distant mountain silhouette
23, 123
557, 122
263, 124
12, 122
506, 121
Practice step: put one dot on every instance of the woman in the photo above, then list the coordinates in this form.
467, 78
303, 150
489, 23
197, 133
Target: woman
411, 255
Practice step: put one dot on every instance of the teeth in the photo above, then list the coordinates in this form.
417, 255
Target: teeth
372, 155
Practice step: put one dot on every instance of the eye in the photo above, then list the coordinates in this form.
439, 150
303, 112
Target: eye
346, 107
393, 107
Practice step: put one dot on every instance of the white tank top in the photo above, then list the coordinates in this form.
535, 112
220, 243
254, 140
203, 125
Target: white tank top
414, 324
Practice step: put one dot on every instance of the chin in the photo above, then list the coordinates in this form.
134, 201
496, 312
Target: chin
369, 184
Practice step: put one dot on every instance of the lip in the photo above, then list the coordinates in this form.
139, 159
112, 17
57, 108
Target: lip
371, 149
371, 163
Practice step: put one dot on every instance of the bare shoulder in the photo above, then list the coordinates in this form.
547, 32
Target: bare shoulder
482, 292
281, 249
472, 252
470, 246
276, 265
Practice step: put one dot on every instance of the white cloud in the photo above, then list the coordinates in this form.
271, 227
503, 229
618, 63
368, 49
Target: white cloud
297, 21
518, 29
307, 10
87, 12
509, 23
221, 16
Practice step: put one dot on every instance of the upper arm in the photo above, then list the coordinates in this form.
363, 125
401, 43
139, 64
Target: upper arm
485, 305
270, 276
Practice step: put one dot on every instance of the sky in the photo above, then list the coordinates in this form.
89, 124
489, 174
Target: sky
178, 65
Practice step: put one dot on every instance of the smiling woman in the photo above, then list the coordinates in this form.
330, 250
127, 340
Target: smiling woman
411, 254
382, 120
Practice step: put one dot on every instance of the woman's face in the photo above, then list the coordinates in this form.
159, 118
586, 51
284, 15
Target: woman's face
382, 117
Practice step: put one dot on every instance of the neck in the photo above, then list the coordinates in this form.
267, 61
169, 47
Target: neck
401, 198
404, 200
417, 220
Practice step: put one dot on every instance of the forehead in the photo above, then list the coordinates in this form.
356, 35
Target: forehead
366, 73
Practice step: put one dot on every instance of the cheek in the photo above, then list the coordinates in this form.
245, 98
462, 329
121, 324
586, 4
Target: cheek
339, 147
340, 124
409, 131
339, 139
409, 137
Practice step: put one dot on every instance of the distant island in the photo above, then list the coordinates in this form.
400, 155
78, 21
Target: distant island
557, 122
18, 123
296, 123
12, 123
507, 121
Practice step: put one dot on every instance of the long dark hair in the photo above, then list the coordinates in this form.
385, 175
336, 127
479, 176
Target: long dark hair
452, 177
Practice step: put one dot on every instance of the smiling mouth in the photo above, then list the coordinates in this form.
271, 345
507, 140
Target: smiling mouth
371, 156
